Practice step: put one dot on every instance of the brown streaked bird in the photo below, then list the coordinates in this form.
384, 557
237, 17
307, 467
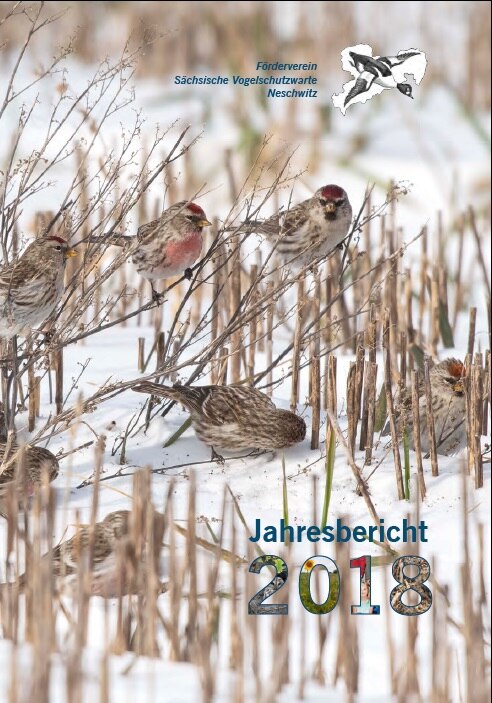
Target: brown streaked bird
36, 461
448, 408
107, 534
116, 569
234, 417
32, 286
310, 230
65, 557
169, 245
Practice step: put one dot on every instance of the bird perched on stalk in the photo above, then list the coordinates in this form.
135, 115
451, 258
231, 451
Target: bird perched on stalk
233, 417
31, 286
169, 245
448, 409
310, 230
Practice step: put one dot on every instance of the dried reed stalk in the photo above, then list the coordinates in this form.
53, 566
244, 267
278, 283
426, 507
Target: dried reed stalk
235, 302
269, 335
476, 418
370, 394
59, 380
430, 417
296, 353
471, 330
416, 434
315, 399
253, 326
351, 406
141, 354
391, 408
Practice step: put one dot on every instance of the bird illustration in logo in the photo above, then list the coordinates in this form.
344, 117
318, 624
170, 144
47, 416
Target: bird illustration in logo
373, 74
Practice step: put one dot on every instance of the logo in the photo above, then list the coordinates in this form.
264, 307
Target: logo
373, 74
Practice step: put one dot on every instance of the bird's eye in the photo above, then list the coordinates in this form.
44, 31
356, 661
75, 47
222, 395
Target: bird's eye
339, 201
322, 201
58, 247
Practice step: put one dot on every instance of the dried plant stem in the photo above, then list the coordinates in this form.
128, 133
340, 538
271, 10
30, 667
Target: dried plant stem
294, 397
416, 434
391, 410
431, 430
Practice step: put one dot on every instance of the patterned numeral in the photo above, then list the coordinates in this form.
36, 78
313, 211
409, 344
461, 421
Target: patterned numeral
255, 606
365, 606
305, 585
409, 583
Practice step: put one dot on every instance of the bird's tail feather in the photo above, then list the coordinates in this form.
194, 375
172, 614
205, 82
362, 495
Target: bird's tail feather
116, 239
157, 389
270, 227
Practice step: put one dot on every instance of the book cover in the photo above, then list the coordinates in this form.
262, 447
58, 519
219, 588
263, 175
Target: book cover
245, 352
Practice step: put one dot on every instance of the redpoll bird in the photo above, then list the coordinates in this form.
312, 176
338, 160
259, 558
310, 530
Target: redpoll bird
310, 230
66, 557
31, 287
233, 417
448, 409
115, 567
36, 460
107, 534
169, 245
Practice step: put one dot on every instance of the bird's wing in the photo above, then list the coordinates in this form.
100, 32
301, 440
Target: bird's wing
253, 395
359, 61
361, 85
193, 398
222, 407
360, 54
146, 230
349, 54
292, 221
67, 554
411, 62
373, 64
6, 274
149, 227
12, 276
286, 225
408, 53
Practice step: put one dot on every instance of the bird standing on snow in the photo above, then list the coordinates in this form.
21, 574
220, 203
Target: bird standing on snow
169, 245
310, 230
385, 71
448, 409
115, 568
31, 287
233, 417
